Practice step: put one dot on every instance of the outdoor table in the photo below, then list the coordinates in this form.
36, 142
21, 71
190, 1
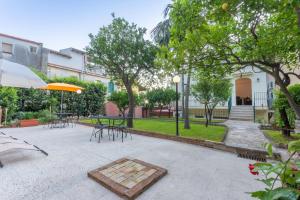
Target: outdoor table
111, 122
63, 118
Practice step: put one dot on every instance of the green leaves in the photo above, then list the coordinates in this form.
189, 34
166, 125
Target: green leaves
122, 51
269, 149
121, 100
294, 146
161, 97
277, 194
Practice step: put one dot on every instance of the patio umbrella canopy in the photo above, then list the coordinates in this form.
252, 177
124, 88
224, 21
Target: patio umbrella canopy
17, 75
62, 87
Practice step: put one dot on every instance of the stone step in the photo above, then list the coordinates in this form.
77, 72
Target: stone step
244, 113
240, 118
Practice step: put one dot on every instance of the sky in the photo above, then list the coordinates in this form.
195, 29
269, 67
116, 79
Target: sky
60, 24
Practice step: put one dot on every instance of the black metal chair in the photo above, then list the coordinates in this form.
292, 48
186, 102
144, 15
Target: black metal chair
122, 128
98, 128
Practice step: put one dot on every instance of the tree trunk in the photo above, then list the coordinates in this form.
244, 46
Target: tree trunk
289, 97
186, 103
210, 112
130, 106
160, 109
206, 115
182, 95
286, 131
298, 15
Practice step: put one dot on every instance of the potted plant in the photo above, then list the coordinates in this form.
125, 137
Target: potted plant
27, 119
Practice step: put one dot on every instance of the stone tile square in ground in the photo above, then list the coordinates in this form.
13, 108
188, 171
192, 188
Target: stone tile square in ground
127, 177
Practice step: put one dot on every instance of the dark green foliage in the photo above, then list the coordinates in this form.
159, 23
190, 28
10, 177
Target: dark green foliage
33, 100
89, 102
160, 97
210, 91
8, 100
121, 100
120, 48
43, 115
284, 114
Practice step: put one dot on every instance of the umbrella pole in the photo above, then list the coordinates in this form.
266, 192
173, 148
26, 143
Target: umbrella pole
61, 101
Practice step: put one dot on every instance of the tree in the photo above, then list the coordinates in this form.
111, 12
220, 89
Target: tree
122, 51
261, 34
285, 116
210, 91
178, 59
8, 100
121, 100
161, 97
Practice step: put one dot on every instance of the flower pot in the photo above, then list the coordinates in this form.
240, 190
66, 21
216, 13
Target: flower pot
29, 122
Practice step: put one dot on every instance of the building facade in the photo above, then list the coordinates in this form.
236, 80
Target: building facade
251, 88
63, 63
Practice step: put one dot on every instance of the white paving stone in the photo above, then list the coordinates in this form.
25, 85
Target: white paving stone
193, 172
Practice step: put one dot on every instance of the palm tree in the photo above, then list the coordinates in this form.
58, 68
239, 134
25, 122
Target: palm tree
161, 35
161, 32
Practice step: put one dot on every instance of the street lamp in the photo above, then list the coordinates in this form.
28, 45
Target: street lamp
176, 80
146, 107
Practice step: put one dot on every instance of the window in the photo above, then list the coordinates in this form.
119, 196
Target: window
7, 48
111, 87
32, 49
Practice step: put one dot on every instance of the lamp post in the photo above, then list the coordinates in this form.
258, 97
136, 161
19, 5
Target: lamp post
176, 80
146, 106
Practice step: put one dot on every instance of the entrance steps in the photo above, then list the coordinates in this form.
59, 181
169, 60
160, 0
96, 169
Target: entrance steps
242, 113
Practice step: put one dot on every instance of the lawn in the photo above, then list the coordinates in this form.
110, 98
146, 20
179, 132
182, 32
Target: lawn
192, 119
197, 131
278, 138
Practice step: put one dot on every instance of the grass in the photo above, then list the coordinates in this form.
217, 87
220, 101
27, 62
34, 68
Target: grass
194, 119
278, 138
197, 131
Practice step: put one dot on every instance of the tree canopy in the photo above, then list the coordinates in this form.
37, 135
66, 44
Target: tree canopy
227, 37
120, 48
211, 91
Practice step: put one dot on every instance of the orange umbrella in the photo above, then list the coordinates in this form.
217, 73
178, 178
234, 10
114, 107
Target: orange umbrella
62, 87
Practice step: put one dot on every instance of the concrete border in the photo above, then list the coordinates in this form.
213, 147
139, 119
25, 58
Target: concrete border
205, 143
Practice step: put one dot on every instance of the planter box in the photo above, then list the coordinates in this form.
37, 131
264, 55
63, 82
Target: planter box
29, 122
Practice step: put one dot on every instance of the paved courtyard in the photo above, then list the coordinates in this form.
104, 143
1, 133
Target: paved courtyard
193, 172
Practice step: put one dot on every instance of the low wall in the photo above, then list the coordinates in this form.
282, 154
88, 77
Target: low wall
217, 113
205, 143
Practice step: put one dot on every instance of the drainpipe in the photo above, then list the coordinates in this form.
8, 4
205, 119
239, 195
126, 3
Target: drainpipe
254, 107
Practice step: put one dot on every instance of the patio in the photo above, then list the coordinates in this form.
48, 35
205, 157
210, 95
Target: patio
193, 172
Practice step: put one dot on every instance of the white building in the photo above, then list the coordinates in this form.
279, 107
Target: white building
252, 90
63, 63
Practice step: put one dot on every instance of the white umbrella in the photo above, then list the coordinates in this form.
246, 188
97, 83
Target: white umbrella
17, 75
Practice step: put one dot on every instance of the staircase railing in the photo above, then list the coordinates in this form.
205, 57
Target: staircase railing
263, 100
229, 105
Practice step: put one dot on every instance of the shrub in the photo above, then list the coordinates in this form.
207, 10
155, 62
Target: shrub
284, 115
8, 100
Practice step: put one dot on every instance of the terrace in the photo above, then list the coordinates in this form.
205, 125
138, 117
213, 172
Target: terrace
193, 172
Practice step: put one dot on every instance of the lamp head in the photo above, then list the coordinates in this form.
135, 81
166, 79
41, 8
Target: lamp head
176, 79
78, 91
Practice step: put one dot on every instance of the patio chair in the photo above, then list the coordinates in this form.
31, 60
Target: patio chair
9, 143
123, 129
98, 128
4, 140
